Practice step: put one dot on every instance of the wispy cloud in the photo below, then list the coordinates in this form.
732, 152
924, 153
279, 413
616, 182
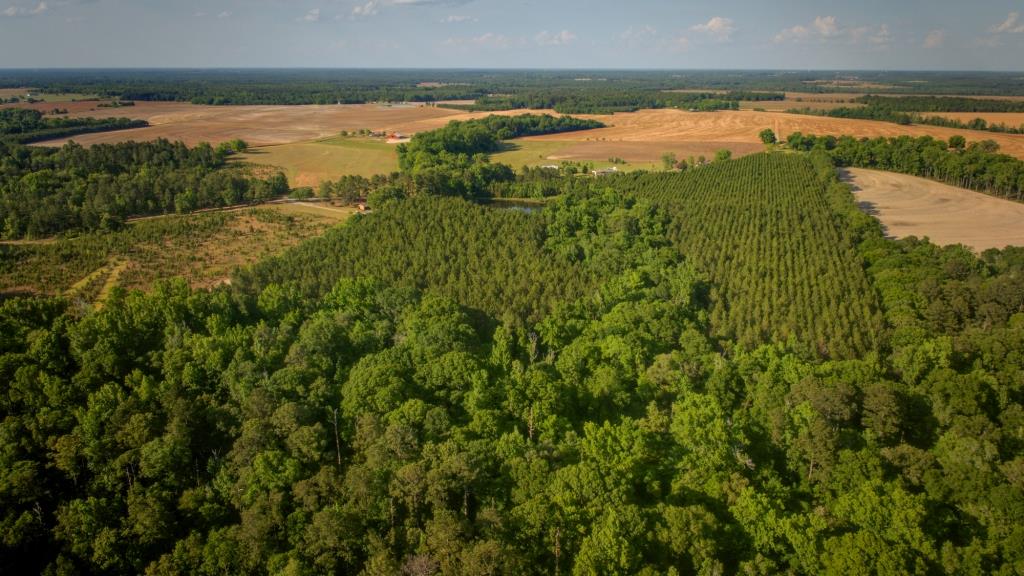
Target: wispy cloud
1011, 25
457, 19
934, 39
828, 28
311, 16
562, 38
373, 7
23, 11
485, 40
719, 28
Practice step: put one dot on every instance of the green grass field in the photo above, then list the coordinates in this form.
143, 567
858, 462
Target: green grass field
309, 163
521, 153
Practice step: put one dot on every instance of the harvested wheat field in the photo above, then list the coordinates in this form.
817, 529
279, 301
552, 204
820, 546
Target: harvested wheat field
257, 125
911, 206
724, 129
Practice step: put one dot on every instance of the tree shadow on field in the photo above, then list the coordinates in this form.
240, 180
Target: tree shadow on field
865, 206
507, 147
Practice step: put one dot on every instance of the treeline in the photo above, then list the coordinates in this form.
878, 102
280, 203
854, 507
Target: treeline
897, 116
47, 191
976, 166
442, 388
923, 104
603, 101
23, 126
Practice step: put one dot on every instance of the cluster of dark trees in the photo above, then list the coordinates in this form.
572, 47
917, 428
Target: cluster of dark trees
24, 126
485, 135
445, 388
977, 166
453, 161
47, 191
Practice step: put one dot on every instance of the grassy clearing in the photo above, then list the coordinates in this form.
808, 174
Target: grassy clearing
518, 153
202, 248
309, 163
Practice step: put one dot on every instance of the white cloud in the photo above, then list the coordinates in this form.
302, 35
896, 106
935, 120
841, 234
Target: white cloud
224, 14
1011, 25
16, 11
825, 26
795, 33
312, 16
719, 28
934, 39
562, 38
486, 40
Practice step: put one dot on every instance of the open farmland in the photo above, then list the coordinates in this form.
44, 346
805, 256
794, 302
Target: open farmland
735, 129
257, 125
638, 137
912, 206
309, 163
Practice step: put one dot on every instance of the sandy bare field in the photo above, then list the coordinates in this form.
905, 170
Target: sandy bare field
911, 206
724, 128
258, 125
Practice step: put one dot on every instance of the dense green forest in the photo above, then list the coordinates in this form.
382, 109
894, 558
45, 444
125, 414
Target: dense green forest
253, 86
46, 191
21, 126
762, 229
445, 388
977, 166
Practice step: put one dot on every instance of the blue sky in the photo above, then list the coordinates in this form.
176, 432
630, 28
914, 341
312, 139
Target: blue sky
791, 34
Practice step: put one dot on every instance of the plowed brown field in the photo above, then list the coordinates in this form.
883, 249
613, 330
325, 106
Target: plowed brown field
911, 206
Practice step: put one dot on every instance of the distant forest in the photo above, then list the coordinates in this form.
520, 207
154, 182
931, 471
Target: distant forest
358, 86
